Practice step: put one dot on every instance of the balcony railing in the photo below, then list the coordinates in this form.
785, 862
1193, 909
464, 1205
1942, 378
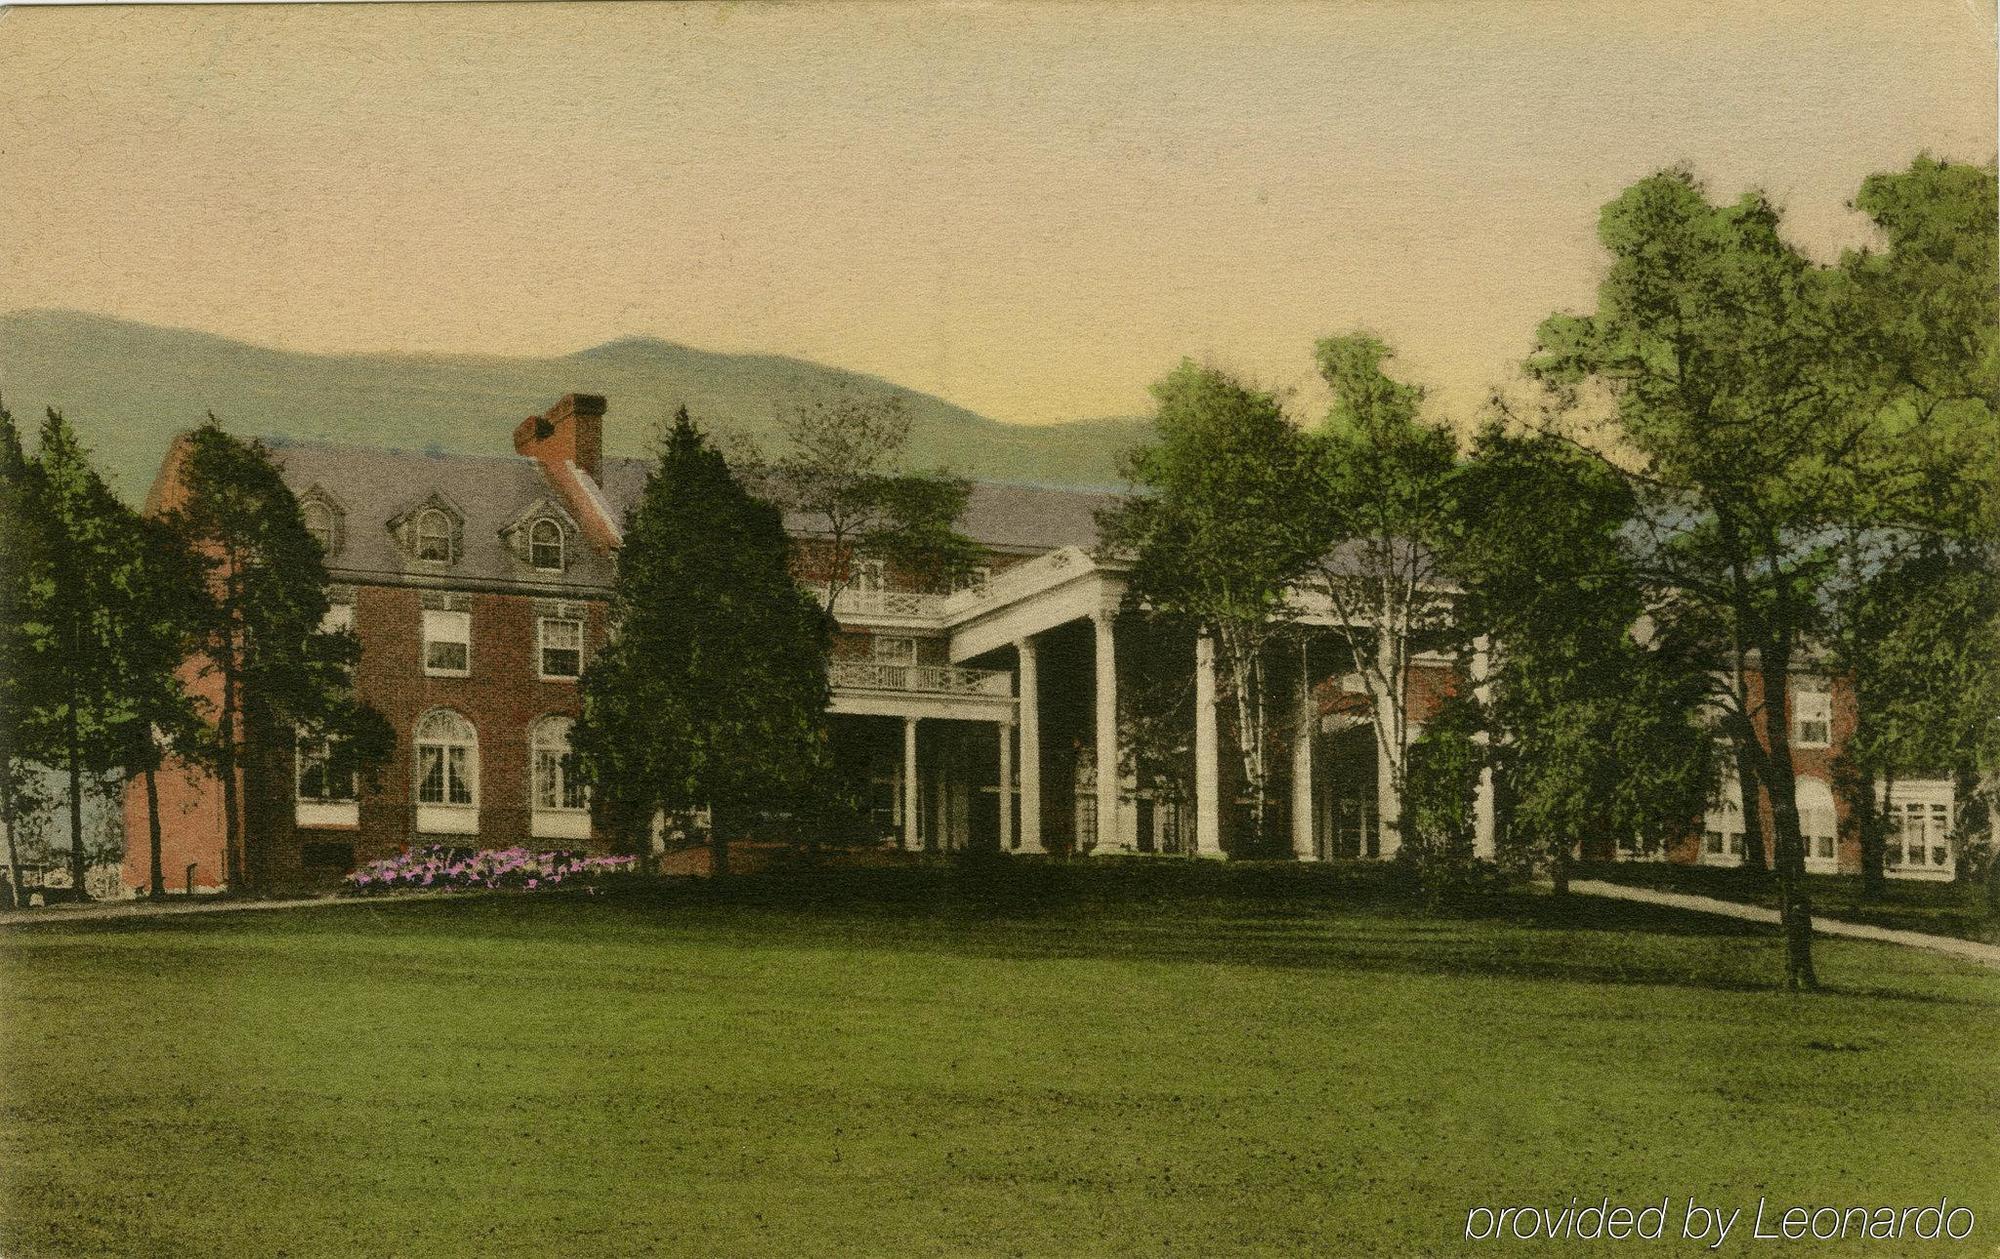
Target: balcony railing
900, 603
933, 679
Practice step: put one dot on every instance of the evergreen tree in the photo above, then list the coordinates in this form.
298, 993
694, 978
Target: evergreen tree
74, 706
713, 691
259, 635
19, 534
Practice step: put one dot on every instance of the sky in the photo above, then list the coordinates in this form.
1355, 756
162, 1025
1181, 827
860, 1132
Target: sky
1031, 210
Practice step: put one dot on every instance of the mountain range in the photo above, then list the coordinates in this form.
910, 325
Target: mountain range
129, 387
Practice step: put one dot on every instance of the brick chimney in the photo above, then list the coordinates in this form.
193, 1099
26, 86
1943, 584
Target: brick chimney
573, 429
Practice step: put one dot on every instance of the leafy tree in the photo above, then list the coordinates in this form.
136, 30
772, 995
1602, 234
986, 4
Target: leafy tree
1439, 811
1381, 475
842, 470
1742, 413
1211, 543
713, 691
74, 708
259, 635
1595, 730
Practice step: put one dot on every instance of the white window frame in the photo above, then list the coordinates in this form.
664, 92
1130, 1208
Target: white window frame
322, 811
542, 648
1819, 821
879, 652
535, 529
435, 621
446, 816
1812, 713
418, 535
549, 738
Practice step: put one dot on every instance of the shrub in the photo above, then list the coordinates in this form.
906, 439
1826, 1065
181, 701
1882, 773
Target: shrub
436, 868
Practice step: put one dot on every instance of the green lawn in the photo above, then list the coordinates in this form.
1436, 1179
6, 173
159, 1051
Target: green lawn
1160, 1060
1958, 908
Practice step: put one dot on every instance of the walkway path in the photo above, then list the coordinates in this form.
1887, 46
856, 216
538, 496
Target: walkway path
1970, 950
175, 905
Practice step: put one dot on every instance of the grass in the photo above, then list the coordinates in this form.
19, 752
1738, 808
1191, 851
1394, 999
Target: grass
1958, 908
1155, 1060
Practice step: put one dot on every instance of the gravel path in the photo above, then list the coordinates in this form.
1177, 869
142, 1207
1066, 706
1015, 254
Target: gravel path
1970, 950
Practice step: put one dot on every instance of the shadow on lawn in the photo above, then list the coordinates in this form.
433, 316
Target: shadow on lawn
1352, 917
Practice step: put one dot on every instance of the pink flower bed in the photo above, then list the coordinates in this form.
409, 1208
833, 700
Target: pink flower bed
438, 869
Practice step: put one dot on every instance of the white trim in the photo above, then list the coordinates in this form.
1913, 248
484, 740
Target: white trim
424, 641
337, 814
541, 646
448, 819
560, 824
596, 500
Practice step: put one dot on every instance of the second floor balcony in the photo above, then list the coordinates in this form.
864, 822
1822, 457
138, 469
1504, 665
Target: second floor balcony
933, 679
869, 604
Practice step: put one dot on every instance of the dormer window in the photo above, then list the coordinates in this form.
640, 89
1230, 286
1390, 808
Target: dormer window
433, 535
545, 546
319, 523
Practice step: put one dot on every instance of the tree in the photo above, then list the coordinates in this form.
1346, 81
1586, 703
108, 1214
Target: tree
19, 536
713, 691
153, 619
1212, 542
842, 470
1596, 729
259, 635
74, 708
1381, 475
1742, 413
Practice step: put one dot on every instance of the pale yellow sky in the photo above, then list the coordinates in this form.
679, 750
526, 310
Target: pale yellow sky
1030, 210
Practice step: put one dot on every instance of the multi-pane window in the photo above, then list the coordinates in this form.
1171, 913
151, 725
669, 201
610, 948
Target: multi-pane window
545, 545
561, 647
319, 523
447, 760
555, 787
1812, 713
447, 642
1817, 819
892, 650
433, 535
972, 579
323, 774
1919, 836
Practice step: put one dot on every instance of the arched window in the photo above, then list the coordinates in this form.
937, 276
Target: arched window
319, 523
447, 761
555, 786
433, 535
545, 545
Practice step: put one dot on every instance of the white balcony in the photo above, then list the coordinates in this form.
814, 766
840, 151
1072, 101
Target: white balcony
902, 605
928, 679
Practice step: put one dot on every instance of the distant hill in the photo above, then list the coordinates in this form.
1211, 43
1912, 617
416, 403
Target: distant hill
128, 387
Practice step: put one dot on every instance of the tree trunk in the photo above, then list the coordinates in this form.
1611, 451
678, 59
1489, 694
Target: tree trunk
158, 883
1749, 789
15, 898
1782, 784
232, 822
1874, 832
77, 862
1559, 867
718, 843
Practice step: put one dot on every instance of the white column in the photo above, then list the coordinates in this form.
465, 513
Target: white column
1031, 748
1307, 724
1107, 733
910, 797
1485, 845
1207, 777
1006, 731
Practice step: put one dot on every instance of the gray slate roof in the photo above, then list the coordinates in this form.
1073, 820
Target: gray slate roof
374, 485
1005, 517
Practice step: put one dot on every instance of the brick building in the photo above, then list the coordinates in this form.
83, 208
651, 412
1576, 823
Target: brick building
978, 716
